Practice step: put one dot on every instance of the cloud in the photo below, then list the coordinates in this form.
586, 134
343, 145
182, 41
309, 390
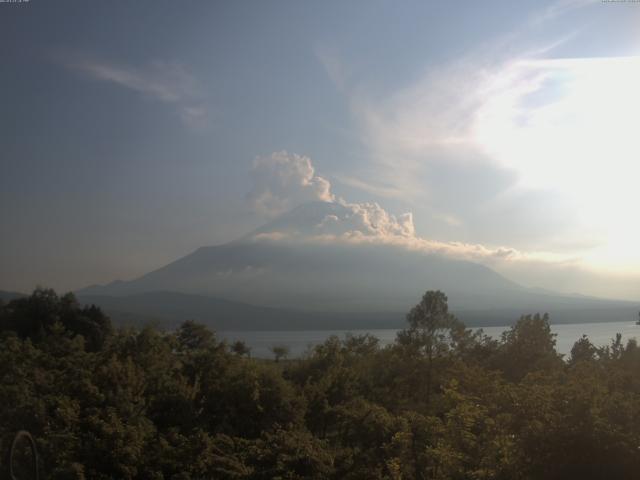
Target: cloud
195, 117
369, 187
465, 144
339, 73
359, 221
560, 8
282, 181
370, 224
517, 146
423, 140
165, 82
566, 124
371, 220
331, 220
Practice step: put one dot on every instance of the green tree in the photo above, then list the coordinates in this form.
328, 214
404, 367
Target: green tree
528, 346
430, 334
583, 351
35, 316
241, 348
194, 336
280, 351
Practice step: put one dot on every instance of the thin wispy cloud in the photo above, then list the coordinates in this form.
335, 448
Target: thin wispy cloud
339, 72
369, 187
560, 8
165, 82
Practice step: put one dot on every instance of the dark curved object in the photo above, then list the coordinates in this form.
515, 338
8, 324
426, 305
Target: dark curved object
34, 451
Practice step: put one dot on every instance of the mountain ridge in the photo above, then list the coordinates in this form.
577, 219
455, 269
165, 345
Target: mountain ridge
275, 267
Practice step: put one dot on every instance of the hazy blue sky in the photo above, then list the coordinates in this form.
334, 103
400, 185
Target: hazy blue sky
130, 131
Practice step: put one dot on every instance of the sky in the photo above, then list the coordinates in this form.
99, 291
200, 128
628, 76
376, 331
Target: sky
132, 133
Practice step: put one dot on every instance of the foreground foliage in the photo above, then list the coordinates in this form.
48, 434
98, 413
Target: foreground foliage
442, 402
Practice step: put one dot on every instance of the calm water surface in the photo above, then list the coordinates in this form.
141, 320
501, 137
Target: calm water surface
300, 341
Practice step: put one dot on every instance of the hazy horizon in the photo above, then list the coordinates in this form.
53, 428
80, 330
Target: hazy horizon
503, 134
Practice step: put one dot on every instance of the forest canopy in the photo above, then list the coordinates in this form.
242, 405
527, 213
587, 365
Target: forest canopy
441, 402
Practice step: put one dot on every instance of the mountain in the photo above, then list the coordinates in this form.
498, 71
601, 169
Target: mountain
350, 278
276, 267
8, 296
169, 309
325, 276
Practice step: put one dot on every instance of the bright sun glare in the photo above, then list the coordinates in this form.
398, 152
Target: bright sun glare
571, 125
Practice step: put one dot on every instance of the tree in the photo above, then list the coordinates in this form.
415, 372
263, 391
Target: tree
430, 331
88, 321
148, 404
280, 351
240, 348
528, 346
194, 336
35, 317
290, 455
583, 351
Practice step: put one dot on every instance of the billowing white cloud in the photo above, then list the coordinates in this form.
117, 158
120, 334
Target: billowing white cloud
365, 220
282, 181
329, 220
370, 224
377, 219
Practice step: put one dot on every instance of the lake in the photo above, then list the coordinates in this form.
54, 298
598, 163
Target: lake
299, 341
